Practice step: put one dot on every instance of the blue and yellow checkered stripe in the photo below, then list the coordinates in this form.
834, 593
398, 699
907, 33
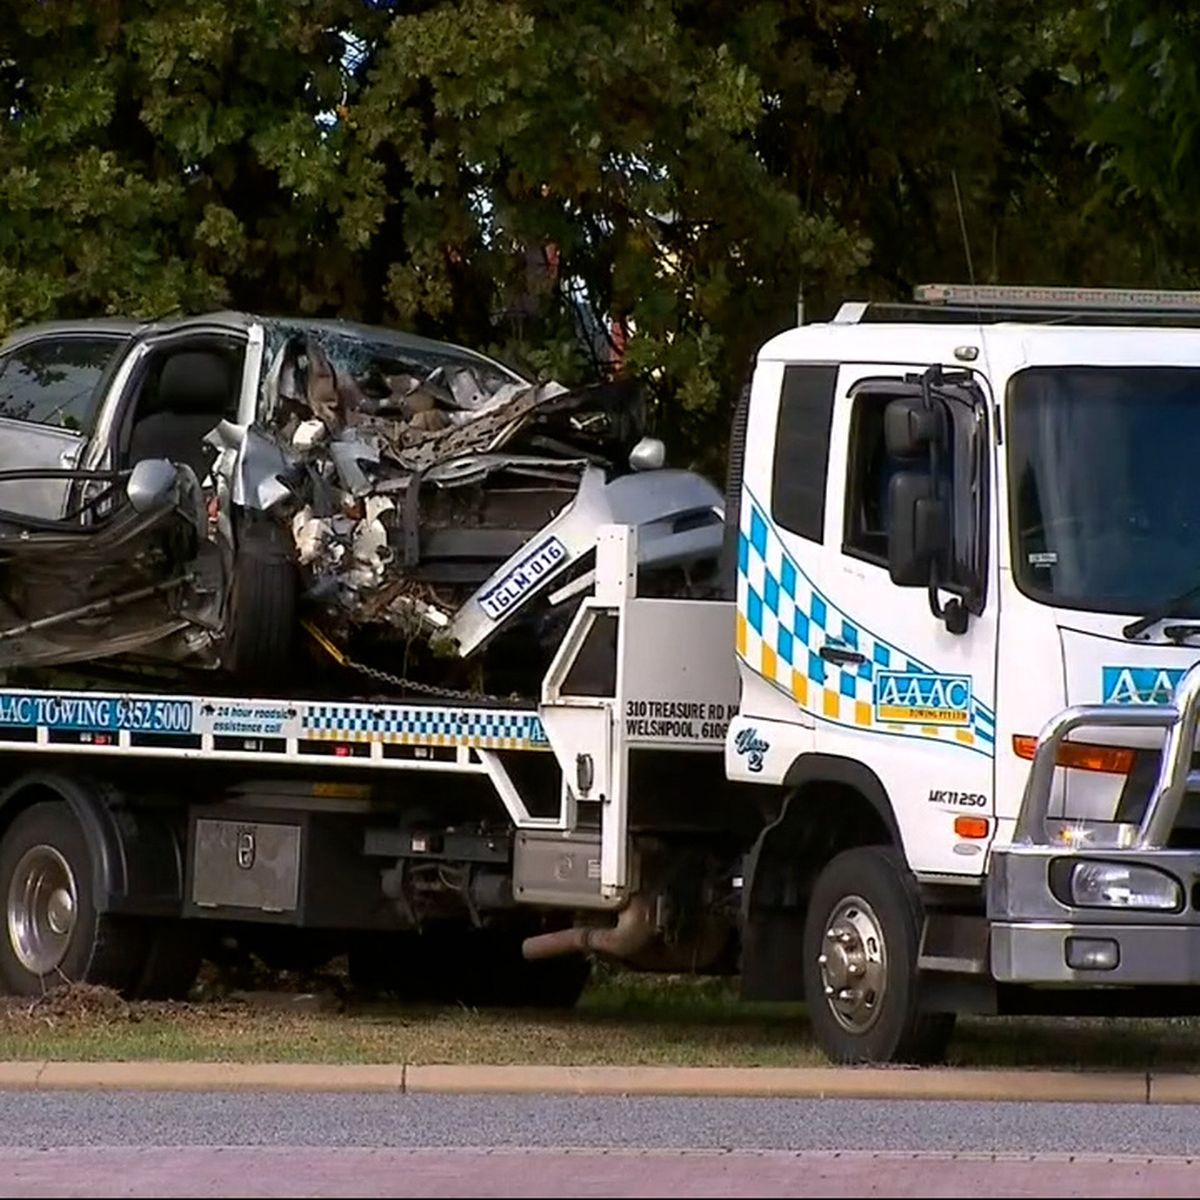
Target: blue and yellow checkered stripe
783, 620
483, 729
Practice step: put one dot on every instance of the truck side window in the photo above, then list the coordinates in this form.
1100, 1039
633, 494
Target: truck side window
866, 530
802, 450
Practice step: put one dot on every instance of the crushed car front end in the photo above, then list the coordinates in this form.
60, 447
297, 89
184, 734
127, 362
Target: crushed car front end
432, 493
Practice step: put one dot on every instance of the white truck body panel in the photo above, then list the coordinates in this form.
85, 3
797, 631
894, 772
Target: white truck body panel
932, 714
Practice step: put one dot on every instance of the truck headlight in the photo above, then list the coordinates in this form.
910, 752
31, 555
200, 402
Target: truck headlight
1118, 885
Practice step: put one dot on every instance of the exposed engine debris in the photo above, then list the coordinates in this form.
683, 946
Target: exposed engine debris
409, 483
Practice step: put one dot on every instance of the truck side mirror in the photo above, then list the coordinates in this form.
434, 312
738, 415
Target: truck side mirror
919, 533
910, 427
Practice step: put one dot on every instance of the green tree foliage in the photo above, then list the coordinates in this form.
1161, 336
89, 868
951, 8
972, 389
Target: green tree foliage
910, 119
1137, 62
140, 150
488, 169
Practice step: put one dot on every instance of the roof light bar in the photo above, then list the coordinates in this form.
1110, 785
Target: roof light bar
985, 295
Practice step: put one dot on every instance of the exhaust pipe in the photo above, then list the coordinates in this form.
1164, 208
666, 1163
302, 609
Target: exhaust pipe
632, 933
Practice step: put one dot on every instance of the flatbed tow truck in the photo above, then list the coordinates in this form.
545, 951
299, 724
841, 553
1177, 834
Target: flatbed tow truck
933, 752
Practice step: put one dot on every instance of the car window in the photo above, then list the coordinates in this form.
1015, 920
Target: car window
55, 381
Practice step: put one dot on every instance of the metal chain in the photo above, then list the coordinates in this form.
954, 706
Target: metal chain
432, 689
412, 685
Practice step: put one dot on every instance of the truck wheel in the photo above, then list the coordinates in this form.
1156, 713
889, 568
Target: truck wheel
53, 933
261, 614
861, 981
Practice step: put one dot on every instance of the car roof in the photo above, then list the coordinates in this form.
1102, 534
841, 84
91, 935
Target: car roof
127, 327
130, 327
119, 326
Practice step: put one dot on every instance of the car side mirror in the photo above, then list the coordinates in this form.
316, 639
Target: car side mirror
151, 484
648, 455
919, 533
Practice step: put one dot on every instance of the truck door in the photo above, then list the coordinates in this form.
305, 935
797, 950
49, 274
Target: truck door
898, 678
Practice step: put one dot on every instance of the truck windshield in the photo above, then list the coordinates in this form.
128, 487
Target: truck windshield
1104, 481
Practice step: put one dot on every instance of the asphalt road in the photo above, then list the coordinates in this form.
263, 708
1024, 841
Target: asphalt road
123, 1143
38, 1120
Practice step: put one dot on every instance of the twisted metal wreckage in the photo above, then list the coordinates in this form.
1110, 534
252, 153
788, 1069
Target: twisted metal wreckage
426, 494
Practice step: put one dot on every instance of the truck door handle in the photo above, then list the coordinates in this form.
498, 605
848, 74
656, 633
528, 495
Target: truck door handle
842, 656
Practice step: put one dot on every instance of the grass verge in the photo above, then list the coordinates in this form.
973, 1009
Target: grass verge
623, 1019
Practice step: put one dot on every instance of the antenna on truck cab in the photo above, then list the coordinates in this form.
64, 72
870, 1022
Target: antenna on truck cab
962, 225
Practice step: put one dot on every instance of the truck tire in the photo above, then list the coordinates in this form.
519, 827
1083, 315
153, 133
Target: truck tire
861, 937
261, 615
52, 933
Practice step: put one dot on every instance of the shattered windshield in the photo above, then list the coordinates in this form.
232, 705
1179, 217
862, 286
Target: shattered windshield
377, 369
417, 404
1105, 500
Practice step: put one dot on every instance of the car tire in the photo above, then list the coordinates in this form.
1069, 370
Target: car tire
52, 932
261, 615
861, 980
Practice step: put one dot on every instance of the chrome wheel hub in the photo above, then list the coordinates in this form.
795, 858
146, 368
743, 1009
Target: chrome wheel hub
42, 908
853, 965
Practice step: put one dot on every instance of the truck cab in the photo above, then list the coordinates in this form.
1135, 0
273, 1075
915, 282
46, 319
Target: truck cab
971, 513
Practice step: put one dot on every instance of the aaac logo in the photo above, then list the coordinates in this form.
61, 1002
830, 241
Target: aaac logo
1140, 685
911, 698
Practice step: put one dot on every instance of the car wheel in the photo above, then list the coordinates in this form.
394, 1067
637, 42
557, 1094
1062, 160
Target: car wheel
261, 615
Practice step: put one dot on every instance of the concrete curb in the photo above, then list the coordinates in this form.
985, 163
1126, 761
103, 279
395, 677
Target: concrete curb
216, 1077
781, 1082
809, 1082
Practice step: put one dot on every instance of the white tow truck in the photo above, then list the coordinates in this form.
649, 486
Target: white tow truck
933, 753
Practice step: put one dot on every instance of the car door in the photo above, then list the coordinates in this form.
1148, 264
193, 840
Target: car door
51, 388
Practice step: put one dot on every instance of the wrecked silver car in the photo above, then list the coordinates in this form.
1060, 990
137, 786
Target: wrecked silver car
202, 492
